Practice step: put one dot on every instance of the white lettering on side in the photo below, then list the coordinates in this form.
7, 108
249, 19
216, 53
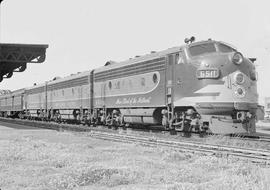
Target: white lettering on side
131, 101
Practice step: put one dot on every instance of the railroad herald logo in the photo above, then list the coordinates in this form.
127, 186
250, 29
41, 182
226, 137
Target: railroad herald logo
130, 101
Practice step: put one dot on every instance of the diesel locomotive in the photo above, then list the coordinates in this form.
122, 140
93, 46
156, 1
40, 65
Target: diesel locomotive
200, 86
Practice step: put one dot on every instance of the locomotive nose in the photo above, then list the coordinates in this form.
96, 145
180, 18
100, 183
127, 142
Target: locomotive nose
224, 65
213, 67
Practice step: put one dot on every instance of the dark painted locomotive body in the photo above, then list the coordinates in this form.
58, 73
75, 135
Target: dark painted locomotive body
201, 86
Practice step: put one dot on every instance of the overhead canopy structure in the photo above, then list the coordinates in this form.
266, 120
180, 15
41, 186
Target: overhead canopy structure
14, 57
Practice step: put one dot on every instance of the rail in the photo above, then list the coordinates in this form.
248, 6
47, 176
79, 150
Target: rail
257, 156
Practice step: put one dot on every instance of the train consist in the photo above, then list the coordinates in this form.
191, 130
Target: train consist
200, 86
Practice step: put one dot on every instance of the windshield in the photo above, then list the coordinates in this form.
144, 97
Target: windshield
202, 49
225, 48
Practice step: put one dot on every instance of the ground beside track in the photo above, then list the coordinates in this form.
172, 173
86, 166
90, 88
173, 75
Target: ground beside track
263, 128
33, 158
5, 125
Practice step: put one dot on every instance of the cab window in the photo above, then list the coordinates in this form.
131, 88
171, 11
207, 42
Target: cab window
201, 49
225, 49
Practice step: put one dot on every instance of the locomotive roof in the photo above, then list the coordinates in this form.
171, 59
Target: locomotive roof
210, 41
139, 59
12, 93
149, 56
4, 93
19, 91
70, 77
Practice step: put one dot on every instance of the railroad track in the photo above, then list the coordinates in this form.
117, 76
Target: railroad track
255, 155
261, 139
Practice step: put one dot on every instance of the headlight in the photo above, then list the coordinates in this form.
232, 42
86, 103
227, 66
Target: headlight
240, 92
237, 58
239, 78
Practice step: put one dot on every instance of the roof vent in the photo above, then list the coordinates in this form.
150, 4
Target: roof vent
56, 78
137, 56
109, 63
153, 52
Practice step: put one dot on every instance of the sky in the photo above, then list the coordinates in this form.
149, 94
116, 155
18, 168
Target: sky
84, 34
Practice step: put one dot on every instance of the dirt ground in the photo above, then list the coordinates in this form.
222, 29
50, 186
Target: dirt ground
43, 159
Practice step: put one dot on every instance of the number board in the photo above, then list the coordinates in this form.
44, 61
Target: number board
209, 73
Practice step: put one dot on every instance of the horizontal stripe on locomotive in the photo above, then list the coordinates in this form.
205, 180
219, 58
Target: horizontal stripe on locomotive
129, 106
10, 108
138, 68
128, 85
68, 100
5, 104
9, 96
61, 85
15, 108
78, 101
10, 105
130, 73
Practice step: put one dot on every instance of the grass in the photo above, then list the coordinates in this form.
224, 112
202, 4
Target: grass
60, 160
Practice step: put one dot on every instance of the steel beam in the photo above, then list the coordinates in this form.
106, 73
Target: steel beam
14, 57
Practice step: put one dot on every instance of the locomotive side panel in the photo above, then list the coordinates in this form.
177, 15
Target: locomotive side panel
49, 99
68, 98
6, 104
2, 103
139, 85
33, 104
143, 90
85, 97
71, 93
35, 100
18, 103
9, 103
